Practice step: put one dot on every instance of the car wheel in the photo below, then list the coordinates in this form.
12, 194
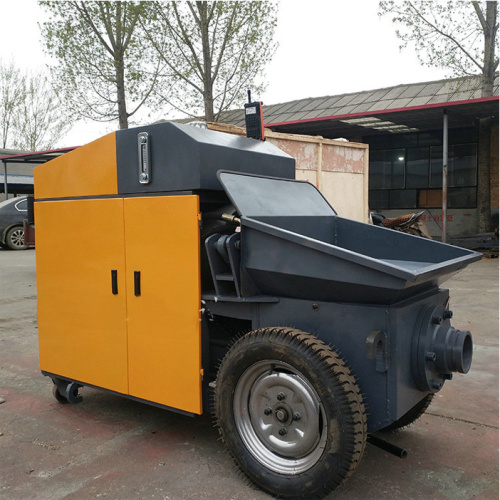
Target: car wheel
290, 412
14, 238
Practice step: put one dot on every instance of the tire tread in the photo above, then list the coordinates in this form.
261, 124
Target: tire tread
337, 378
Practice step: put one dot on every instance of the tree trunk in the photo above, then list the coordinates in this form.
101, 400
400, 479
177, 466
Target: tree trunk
209, 105
489, 49
208, 97
120, 92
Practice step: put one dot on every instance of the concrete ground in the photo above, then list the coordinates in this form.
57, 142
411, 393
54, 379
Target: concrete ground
112, 447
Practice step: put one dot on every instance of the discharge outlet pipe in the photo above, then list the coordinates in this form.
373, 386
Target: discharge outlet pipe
453, 350
439, 350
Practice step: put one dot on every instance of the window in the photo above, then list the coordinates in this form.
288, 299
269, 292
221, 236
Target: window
462, 165
417, 167
378, 199
465, 197
411, 177
387, 169
22, 206
403, 198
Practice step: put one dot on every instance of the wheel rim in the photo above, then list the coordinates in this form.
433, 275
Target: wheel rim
17, 238
280, 417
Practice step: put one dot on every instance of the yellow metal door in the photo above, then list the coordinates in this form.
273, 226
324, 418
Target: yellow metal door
81, 321
163, 302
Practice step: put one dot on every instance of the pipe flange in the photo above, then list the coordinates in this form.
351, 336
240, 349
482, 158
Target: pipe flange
438, 349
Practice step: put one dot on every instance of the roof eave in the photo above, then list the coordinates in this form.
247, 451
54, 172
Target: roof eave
386, 111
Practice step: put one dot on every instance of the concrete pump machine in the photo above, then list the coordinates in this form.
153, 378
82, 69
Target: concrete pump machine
176, 263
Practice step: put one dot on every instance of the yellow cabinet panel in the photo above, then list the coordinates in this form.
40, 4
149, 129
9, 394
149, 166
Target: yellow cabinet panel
62, 177
82, 327
164, 345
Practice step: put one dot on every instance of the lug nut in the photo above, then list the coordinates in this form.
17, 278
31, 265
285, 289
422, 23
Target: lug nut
282, 431
448, 314
436, 385
296, 416
281, 396
268, 411
430, 356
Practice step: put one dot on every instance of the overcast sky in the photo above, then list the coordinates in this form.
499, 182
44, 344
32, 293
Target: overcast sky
326, 47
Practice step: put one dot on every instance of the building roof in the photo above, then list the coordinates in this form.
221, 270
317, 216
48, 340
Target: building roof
13, 159
350, 112
12, 156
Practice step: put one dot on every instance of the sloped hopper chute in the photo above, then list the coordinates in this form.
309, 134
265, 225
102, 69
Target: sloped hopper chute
293, 244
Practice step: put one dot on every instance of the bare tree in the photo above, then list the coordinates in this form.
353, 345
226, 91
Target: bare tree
40, 120
212, 51
31, 116
12, 92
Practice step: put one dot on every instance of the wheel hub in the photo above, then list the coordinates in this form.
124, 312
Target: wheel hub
282, 415
17, 238
281, 420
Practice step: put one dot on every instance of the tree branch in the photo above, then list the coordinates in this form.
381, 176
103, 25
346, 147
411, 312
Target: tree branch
446, 35
86, 17
480, 15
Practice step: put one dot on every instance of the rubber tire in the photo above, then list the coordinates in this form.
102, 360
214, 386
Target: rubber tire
10, 243
60, 398
339, 395
411, 416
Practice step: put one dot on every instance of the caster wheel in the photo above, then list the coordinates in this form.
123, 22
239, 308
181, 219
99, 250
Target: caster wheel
71, 393
60, 398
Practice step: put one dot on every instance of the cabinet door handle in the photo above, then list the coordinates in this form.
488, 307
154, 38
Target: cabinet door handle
137, 283
114, 281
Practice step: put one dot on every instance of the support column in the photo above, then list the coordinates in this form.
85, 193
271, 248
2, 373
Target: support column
5, 183
445, 176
